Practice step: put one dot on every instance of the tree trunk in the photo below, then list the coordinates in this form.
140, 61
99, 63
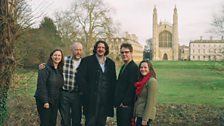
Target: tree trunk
7, 62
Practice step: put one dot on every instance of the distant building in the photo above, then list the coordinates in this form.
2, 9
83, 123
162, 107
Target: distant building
184, 53
207, 50
115, 42
165, 40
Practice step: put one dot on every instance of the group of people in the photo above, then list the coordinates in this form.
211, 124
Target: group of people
89, 86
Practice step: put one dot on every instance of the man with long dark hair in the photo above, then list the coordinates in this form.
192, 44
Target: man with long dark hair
96, 78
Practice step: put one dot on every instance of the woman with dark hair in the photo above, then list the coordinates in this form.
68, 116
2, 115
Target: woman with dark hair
49, 83
146, 89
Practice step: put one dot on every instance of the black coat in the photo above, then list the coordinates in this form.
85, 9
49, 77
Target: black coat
88, 77
125, 90
49, 83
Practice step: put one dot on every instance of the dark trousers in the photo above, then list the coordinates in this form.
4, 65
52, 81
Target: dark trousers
70, 109
139, 122
99, 117
124, 116
48, 116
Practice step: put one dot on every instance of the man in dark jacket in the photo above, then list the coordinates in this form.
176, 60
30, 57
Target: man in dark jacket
96, 78
125, 94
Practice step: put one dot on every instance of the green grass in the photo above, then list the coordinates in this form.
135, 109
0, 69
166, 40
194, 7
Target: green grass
25, 82
179, 82
190, 82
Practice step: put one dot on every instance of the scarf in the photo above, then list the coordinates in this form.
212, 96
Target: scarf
141, 83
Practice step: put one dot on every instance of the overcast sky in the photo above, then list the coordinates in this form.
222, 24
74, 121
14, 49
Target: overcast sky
135, 16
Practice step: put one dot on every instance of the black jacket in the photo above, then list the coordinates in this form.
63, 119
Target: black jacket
88, 77
49, 83
125, 90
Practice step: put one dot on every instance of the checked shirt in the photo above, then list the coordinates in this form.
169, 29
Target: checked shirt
69, 70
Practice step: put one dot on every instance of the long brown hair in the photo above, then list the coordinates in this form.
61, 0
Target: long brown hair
151, 69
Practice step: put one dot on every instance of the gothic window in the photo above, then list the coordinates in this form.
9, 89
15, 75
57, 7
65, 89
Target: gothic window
165, 39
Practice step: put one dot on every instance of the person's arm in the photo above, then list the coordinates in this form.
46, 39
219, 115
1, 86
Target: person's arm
81, 76
42, 85
150, 108
114, 81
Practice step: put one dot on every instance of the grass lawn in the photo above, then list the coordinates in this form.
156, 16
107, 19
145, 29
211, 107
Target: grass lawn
190, 82
179, 82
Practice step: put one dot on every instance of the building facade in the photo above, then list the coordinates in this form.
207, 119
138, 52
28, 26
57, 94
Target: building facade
184, 53
207, 50
115, 42
165, 40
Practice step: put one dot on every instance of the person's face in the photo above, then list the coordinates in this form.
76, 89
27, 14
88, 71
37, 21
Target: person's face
100, 49
144, 68
126, 55
77, 51
56, 57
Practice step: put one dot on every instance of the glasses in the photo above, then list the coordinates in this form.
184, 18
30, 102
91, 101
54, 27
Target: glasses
125, 52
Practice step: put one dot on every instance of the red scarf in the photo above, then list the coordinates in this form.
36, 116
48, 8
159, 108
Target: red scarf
141, 83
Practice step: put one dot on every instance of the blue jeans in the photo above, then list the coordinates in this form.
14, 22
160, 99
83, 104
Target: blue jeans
139, 122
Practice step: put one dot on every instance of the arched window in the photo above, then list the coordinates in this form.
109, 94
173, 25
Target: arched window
165, 39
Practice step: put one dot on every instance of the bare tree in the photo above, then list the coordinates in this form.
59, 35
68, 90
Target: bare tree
147, 53
7, 61
25, 18
91, 20
15, 18
67, 30
218, 23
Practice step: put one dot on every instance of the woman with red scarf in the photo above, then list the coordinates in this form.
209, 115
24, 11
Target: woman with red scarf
146, 89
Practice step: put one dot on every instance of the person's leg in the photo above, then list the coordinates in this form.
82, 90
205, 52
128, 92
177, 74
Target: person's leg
138, 121
102, 116
44, 114
124, 116
90, 120
64, 108
76, 110
92, 113
54, 113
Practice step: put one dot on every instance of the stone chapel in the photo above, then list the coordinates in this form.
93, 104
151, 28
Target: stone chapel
165, 40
